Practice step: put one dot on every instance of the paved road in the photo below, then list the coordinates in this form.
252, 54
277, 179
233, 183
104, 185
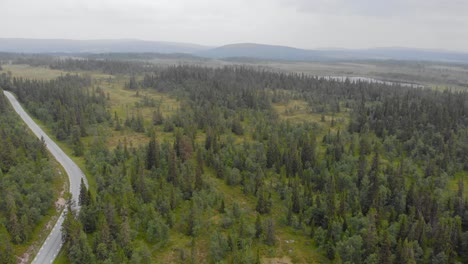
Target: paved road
53, 243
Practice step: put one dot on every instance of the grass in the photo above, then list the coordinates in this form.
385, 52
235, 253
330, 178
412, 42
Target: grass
299, 111
61, 258
30, 72
126, 103
123, 100
296, 111
453, 183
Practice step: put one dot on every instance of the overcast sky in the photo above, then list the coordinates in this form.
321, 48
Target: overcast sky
434, 24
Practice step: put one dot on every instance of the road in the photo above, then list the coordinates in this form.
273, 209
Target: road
53, 242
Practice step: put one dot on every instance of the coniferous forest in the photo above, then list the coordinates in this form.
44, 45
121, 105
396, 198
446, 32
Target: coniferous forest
26, 182
376, 173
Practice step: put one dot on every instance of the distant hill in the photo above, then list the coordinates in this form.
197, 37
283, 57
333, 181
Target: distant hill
239, 52
272, 52
261, 51
409, 54
94, 46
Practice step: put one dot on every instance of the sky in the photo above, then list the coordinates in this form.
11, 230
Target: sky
310, 24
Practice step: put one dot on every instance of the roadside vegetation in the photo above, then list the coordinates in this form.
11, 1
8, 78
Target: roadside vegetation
30, 185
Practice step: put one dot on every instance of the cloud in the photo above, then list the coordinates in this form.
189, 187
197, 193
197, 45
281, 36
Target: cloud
300, 23
381, 8
342, 7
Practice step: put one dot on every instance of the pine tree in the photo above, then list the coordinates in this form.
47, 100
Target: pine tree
6, 250
198, 179
222, 207
270, 236
84, 198
158, 117
263, 204
459, 200
152, 153
385, 254
273, 152
258, 227
78, 147
192, 224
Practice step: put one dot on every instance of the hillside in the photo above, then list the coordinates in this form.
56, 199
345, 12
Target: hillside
273, 52
251, 50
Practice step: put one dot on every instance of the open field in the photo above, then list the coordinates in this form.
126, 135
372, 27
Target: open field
431, 74
298, 111
438, 75
434, 75
30, 72
127, 103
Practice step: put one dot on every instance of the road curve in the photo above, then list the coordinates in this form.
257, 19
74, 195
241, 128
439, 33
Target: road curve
53, 242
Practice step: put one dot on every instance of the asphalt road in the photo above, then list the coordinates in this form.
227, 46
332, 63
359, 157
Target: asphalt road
53, 243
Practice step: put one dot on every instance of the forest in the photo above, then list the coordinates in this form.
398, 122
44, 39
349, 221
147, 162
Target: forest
26, 183
376, 176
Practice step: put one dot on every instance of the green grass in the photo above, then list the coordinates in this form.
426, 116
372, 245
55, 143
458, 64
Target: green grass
453, 183
123, 100
61, 258
30, 72
298, 111
124, 103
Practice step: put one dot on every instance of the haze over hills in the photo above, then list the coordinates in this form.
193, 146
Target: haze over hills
23, 45
262, 51
240, 50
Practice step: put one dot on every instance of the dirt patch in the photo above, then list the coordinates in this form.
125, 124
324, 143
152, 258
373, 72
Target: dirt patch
60, 203
283, 260
24, 258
